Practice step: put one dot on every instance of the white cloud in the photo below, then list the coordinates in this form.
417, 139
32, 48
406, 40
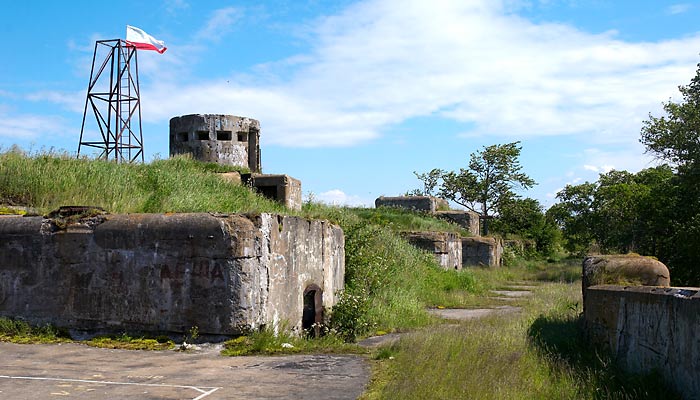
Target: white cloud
219, 24
376, 64
678, 8
173, 6
27, 127
339, 198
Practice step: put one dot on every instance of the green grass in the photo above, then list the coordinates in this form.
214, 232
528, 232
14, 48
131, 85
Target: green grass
127, 342
266, 342
539, 354
180, 184
18, 331
405, 220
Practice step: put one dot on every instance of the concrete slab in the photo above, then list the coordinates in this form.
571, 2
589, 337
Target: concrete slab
512, 293
468, 314
377, 341
79, 372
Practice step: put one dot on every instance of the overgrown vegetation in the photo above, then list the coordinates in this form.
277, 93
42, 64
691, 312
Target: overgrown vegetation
128, 342
539, 354
180, 184
268, 343
18, 331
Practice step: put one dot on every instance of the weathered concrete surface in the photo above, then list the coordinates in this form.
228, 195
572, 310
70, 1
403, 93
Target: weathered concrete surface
151, 272
463, 314
79, 372
281, 188
417, 203
623, 269
446, 246
223, 139
481, 251
649, 328
468, 220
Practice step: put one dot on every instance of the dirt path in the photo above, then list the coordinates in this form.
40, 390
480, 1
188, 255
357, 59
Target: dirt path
512, 292
74, 371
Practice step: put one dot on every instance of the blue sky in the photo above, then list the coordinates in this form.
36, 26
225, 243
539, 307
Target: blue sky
354, 96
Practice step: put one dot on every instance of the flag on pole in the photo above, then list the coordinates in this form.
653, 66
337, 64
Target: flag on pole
143, 41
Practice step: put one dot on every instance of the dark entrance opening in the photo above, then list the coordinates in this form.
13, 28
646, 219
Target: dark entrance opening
312, 317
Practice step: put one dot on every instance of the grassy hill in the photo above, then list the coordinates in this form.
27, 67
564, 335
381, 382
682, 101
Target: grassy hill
388, 282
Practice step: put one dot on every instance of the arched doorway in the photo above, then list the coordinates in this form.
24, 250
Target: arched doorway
312, 317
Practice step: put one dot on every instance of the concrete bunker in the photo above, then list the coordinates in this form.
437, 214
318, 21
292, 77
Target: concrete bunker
481, 251
225, 274
223, 139
445, 246
428, 204
281, 188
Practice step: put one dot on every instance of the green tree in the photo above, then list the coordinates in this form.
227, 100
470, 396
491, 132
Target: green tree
524, 218
675, 138
492, 175
430, 182
575, 216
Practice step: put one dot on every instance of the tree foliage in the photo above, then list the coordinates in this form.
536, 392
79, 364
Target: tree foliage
492, 175
525, 219
654, 212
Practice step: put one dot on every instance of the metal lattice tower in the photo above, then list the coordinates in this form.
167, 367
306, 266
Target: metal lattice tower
113, 96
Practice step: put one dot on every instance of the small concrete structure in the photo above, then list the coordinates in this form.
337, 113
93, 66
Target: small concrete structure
446, 246
468, 220
623, 269
222, 139
647, 329
428, 204
481, 251
225, 274
281, 188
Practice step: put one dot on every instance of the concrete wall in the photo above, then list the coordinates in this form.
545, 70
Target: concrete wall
281, 188
223, 139
468, 220
417, 203
649, 328
150, 272
481, 251
446, 246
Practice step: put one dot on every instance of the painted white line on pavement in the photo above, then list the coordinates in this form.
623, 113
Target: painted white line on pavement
204, 393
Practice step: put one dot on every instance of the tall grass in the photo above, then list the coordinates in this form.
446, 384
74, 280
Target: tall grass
180, 184
540, 354
388, 282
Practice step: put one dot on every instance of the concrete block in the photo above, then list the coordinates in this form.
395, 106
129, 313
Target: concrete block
281, 188
446, 246
481, 251
225, 274
468, 220
649, 328
417, 203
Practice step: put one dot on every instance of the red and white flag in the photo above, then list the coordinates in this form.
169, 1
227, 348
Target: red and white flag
143, 41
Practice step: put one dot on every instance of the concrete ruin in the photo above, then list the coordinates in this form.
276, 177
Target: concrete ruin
649, 329
281, 188
428, 204
222, 139
482, 251
623, 269
445, 246
469, 220
225, 274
